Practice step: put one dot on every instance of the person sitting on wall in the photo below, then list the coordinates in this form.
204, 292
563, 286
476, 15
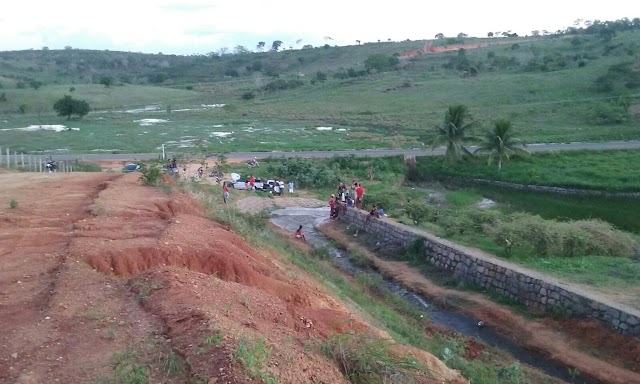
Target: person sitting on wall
372, 213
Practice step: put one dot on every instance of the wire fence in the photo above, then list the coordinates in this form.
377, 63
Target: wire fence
35, 163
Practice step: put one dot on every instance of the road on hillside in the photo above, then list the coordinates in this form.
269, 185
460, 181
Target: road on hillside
241, 156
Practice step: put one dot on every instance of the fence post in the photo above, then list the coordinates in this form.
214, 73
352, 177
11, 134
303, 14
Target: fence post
15, 158
22, 159
8, 158
39, 164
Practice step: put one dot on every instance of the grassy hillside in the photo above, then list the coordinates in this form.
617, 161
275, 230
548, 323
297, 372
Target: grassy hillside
555, 89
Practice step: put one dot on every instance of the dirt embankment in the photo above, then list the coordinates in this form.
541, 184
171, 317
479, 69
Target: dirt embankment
100, 275
572, 342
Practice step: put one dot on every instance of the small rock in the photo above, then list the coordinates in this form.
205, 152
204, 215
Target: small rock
14, 355
47, 318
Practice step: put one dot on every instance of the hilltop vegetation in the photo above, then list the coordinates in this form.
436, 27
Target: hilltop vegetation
577, 84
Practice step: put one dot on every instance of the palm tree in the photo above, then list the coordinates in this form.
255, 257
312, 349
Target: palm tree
454, 133
499, 143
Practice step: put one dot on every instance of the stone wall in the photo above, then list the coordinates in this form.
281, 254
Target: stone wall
525, 286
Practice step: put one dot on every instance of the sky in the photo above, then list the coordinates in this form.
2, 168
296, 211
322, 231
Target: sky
200, 26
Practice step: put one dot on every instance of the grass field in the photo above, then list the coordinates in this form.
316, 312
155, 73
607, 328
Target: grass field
610, 170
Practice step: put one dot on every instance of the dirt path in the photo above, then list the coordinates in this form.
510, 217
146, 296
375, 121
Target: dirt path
566, 341
102, 277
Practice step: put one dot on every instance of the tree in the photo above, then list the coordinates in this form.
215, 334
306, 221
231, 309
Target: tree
107, 81
240, 50
68, 106
260, 46
490, 34
35, 84
439, 36
454, 133
276, 45
500, 144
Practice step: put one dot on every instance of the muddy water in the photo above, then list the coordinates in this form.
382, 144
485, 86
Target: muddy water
292, 217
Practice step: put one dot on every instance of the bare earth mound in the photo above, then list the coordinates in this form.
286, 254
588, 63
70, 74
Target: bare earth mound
100, 276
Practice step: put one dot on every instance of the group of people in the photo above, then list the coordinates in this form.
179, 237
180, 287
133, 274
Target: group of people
352, 196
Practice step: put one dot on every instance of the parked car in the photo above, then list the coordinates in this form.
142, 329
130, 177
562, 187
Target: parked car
269, 184
239, 184
130, 168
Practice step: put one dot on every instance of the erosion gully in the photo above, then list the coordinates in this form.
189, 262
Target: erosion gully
291, 217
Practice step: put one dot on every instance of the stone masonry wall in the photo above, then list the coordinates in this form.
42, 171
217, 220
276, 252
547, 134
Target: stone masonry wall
525, 286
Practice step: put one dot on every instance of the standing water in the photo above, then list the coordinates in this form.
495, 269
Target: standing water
292, 217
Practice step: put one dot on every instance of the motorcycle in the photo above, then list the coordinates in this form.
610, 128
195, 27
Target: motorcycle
51, 165
253, 163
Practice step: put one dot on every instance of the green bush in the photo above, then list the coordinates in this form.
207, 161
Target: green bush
150, 175
248, 95
381, 62
421, 212
360, 259
306, 172
86, 167
282, 84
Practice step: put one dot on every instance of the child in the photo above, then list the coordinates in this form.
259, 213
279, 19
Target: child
290, 186
332, 206
299, 234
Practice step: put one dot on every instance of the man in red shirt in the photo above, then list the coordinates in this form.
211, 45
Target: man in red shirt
252, 182
359, 195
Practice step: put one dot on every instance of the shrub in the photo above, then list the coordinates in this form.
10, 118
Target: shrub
420, 212
189, 87
248, 95
13, 204
231, 73
150, 175
22, 108
281, 84
381, 62
3, 97
360, 259
321, 76
364, 359
306, 172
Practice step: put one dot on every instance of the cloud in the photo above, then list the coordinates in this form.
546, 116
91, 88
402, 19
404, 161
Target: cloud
199, 26
187, 7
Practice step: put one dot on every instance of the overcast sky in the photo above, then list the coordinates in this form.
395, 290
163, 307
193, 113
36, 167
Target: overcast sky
201, 26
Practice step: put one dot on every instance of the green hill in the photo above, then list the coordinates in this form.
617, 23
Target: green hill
580, 85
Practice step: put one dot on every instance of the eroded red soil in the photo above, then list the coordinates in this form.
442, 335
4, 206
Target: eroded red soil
92, 265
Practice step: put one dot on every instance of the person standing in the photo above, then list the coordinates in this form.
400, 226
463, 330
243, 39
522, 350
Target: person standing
290, 186
276, 189
252, 182
332, 206
359, 195
225, 192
